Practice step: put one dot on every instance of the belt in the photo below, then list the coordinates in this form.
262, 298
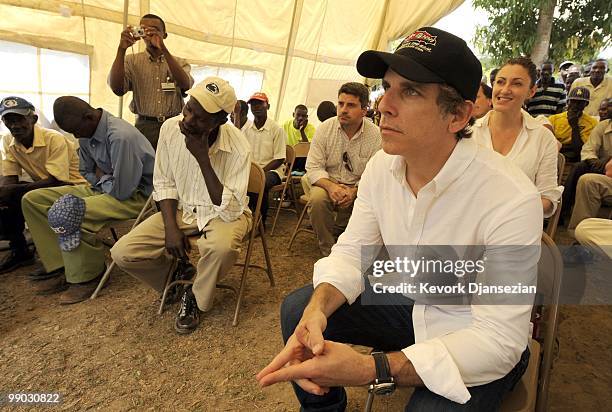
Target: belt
159, 119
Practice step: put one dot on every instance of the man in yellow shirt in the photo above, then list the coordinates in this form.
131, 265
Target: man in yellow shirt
45, 155
298, 129
573, 127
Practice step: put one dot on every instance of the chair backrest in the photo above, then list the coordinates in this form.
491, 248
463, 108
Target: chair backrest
301, 149
560, 167
257, 183
550, 273
289, 160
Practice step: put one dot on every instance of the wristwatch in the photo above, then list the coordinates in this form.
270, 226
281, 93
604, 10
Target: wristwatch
384, 383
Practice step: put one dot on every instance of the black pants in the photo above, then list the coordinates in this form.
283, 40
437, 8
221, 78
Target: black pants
12, 222
387, 328
272, 179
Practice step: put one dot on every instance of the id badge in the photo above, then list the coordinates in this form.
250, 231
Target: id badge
168, 86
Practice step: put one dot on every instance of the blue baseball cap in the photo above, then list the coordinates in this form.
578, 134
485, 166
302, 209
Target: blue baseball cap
65, 218
14, 104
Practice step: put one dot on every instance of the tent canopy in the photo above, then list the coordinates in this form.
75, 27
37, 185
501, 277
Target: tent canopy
300, 46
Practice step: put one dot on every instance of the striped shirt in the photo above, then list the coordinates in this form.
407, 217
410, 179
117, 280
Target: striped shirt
547, 101
330, 142
178, 175
144, 77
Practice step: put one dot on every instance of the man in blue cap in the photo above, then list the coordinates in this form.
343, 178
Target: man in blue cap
430, 185
45, 155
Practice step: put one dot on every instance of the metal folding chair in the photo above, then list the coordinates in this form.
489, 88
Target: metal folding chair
285, 186
257, 182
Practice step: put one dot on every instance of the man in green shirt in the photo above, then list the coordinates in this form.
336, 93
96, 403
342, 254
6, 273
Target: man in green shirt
298, 129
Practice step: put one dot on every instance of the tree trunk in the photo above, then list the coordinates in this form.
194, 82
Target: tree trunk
539, 53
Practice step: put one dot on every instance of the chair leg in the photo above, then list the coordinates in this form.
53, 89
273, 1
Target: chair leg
266, 255
105, 277
297, 227
166, 288
278, 208
245, 270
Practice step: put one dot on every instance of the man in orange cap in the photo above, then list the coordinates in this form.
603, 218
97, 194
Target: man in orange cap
267, 140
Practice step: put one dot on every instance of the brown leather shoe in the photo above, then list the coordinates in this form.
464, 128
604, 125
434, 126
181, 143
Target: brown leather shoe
78, 292
52, 285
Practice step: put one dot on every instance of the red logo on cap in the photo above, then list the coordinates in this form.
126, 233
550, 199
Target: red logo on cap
419, 40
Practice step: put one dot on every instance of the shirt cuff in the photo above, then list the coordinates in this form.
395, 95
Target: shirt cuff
165, 193
105, 184
315, 175
231, 208
436, 368
344, 277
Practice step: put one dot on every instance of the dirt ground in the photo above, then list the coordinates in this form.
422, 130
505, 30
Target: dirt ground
116, 354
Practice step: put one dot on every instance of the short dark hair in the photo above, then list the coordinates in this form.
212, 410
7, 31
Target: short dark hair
486, 90
300, 106
449, 100
548, 62
356, 89
154, 16
326, 110
244, 107
493, 74
527, 64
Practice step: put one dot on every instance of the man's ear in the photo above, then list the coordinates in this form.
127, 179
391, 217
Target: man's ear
34, 118
268, 106
461, 117
165, 34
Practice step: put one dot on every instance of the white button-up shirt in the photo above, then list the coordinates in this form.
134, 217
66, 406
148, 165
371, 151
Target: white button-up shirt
177, 174
534, 152
477, 198
267, 144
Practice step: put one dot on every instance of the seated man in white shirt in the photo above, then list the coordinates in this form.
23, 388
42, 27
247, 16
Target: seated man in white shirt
338, 154
200, 180
269, 147
431, 185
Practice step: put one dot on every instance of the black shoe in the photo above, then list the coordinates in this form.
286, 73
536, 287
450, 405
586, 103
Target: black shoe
184, 271
16, 259
41, 274
188, 317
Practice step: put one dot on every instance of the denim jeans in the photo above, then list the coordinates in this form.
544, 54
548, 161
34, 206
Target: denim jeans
386, 328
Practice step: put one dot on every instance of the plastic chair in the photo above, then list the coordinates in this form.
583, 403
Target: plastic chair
257, 182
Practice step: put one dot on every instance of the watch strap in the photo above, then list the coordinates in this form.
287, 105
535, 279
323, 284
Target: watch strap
383, 371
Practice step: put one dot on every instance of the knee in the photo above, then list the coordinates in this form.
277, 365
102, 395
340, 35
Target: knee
223, 246
120, 251
292, 309
319, 198
588, 180
28, 198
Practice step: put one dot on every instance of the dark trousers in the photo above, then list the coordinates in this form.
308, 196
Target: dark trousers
12, 223
272, 179
150, 129
569, 193
386, 328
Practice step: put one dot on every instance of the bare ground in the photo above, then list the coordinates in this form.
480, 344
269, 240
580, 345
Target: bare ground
116, 354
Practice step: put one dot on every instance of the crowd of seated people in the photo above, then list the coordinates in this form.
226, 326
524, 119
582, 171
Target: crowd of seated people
462, 162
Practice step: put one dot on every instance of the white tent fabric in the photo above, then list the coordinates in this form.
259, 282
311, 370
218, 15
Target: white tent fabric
291, 41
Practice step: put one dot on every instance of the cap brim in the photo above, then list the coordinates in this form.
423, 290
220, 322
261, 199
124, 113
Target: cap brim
70, 242
23, 112
257, 98
374, 65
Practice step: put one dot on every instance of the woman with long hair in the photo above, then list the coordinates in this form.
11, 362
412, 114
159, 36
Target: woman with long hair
513, 133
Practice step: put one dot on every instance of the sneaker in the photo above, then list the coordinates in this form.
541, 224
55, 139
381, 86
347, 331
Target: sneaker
16, 259
78, 292
188, 317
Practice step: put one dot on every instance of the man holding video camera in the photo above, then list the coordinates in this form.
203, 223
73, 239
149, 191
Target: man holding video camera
157, 79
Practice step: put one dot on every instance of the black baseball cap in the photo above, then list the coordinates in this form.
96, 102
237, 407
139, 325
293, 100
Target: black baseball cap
428, 55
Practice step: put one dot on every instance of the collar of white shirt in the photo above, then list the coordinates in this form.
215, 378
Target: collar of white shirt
463, 154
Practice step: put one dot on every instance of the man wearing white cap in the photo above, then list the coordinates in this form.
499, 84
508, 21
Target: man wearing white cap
200, 181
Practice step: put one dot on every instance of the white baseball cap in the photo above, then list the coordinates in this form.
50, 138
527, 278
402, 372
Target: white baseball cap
214, 94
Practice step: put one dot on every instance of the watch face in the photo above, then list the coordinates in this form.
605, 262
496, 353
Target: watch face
384, 388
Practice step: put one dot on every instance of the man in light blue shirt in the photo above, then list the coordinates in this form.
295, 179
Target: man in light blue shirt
117, 161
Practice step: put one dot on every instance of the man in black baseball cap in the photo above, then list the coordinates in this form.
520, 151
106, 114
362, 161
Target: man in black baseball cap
430, 185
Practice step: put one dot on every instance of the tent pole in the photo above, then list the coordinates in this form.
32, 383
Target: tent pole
297, 13
126, 6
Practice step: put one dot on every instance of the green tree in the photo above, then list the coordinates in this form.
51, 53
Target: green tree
580, 29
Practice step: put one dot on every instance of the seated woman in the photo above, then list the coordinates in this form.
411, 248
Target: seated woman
515, 134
